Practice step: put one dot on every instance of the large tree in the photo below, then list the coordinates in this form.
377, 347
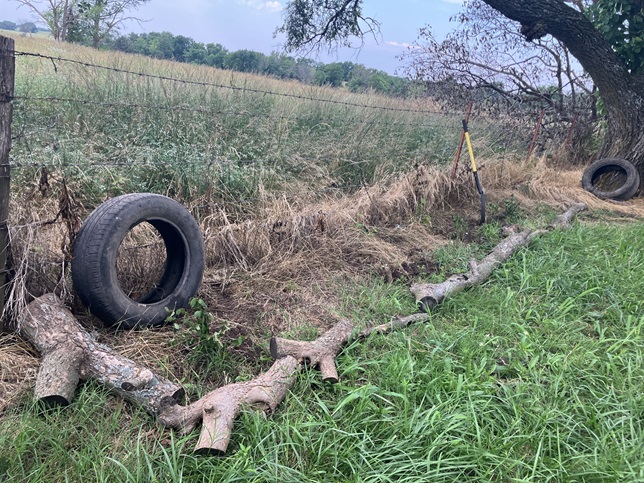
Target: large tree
620, 81
610, 49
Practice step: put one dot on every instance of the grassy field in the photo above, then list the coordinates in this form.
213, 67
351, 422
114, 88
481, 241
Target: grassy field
200, 131
536, 375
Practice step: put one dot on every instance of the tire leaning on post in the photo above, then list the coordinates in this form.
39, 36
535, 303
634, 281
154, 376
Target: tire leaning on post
95, 251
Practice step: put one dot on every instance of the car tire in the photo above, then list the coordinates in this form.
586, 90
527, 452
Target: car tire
95, 251
615, 165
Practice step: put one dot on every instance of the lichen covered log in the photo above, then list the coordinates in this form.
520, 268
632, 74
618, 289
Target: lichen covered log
69, 354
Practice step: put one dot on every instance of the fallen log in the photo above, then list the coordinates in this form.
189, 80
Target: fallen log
319, 353
69, 354
427, 296
218, 409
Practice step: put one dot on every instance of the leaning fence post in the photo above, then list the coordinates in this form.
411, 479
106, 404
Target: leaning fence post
536, 134
7, 74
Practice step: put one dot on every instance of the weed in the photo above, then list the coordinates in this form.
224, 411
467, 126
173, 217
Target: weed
490, 233
205, 348
513, 211
421, 212
461, 227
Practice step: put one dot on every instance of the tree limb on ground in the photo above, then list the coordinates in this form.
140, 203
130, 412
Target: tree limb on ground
69, 354
429, 295
322, 352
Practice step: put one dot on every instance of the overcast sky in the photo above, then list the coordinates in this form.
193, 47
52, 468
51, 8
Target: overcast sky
249, 24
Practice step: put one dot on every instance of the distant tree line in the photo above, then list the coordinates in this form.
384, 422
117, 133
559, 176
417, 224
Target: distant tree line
24, 27
165, 45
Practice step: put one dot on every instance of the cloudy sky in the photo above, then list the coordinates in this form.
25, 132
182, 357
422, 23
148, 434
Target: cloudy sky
249, 24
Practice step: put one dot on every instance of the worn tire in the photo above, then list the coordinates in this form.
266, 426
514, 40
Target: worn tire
607, 165
94, 271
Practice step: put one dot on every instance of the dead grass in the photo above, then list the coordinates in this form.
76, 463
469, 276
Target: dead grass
280, 269
18, 368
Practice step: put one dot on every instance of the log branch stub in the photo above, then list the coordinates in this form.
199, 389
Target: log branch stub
69, 354
319, 353
394, 324
218, 409
565, 219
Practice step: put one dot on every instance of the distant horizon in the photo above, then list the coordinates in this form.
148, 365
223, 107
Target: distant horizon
249, 24
43, 30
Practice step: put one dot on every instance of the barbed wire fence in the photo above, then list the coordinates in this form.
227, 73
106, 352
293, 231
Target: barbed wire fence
40, 123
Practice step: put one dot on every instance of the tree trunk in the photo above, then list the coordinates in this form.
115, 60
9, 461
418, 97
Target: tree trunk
96, 29
621, 91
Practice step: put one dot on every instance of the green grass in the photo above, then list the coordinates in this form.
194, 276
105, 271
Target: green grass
535, 376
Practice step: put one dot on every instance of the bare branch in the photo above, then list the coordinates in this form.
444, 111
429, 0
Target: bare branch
310, 25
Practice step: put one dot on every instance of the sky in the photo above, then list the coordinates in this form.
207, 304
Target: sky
249, 24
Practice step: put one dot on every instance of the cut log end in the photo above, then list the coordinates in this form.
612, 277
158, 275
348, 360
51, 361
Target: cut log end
209, 452
328, 369
47, 403
426, 304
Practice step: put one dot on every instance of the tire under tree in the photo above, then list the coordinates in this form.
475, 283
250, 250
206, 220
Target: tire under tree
95, 253
601, 168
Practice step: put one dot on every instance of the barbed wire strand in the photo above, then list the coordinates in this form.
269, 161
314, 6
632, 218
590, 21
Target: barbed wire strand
234, 88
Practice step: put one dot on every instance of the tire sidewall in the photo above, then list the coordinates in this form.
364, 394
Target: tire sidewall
624, 192
143, 209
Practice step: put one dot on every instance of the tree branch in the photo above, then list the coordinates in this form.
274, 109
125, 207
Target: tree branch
218, 409
70, 353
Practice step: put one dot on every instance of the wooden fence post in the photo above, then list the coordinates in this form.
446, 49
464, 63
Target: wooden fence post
7, 74
536, 134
